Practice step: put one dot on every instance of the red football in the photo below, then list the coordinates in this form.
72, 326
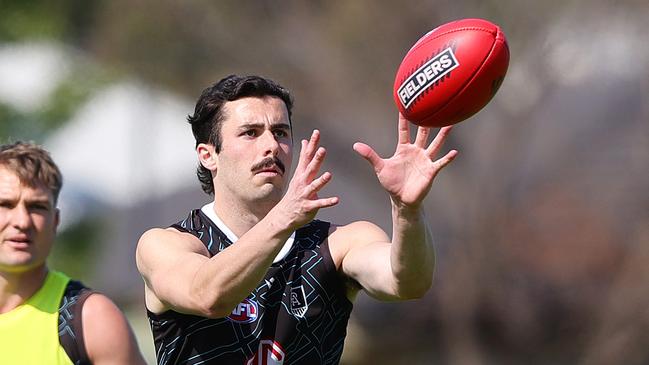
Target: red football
451, 72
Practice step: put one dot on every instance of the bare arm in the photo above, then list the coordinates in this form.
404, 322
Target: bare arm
400, 268
107, 335
179, 275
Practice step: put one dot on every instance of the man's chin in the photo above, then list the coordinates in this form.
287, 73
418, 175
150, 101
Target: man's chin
270, 193
274, 178
19, 265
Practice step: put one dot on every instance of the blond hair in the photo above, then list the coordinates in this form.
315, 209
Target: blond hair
33, 165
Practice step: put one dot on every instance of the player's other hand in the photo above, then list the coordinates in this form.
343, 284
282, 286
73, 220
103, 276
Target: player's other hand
301, 203
408, 175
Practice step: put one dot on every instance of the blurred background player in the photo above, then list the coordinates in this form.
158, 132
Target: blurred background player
46, 318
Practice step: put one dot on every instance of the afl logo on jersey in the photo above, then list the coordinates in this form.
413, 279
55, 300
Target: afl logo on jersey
244, 312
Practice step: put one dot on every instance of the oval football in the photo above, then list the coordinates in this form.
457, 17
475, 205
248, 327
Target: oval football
451, 72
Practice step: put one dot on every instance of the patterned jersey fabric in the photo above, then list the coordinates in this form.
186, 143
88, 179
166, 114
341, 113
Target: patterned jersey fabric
296, 315
70, 327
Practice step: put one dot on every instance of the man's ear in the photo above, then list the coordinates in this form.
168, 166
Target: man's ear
57, 218
207, 156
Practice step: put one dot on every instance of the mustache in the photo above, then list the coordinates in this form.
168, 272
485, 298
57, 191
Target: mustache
269, 162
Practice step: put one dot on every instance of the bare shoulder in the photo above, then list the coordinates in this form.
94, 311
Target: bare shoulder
168, 260
358, 232
343, 238
158, 242
100, 311
107, 335
154, 238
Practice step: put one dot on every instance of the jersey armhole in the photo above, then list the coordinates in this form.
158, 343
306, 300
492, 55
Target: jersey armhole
180, 228
71, 336
343, 282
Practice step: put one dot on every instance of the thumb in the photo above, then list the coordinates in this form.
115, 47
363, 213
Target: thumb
368, 153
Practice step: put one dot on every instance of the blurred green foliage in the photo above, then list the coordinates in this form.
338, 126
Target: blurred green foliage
13, 123
73, 92
72, 252
62, 103
41, 19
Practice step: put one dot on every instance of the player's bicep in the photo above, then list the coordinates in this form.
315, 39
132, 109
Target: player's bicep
108, 338
367, 259
369, 266
168, 261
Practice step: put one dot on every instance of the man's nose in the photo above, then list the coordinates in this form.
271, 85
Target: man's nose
270, 143
20, 217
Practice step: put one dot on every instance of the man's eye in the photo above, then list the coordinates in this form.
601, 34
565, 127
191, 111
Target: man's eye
281, 133
250, 133
40, 207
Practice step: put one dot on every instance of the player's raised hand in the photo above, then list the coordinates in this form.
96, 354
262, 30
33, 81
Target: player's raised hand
408, 175
301, 202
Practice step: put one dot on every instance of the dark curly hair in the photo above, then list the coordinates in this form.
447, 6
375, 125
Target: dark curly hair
208, 115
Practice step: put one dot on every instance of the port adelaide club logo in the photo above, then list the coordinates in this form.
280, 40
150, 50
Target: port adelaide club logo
426, 75
299, 305
244, 312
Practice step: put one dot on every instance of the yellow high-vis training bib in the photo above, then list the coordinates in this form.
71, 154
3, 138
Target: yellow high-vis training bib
29, 334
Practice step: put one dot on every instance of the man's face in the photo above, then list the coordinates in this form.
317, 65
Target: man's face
28, 220
255, 156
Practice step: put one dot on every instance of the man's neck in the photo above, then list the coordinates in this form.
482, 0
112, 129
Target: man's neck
237, 216
17, 287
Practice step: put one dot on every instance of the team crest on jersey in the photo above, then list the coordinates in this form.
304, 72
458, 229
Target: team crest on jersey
299, 305
244, 312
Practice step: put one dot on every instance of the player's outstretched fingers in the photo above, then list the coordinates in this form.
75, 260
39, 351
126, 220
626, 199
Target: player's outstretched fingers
369, 154
301, 162
319, 183
422, 136
316, 185
327, 202
404, 129
314, 165
445, 160
312, 144
438, 142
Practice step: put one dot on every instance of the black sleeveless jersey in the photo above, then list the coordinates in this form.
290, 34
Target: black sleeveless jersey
70, 326
298, 313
